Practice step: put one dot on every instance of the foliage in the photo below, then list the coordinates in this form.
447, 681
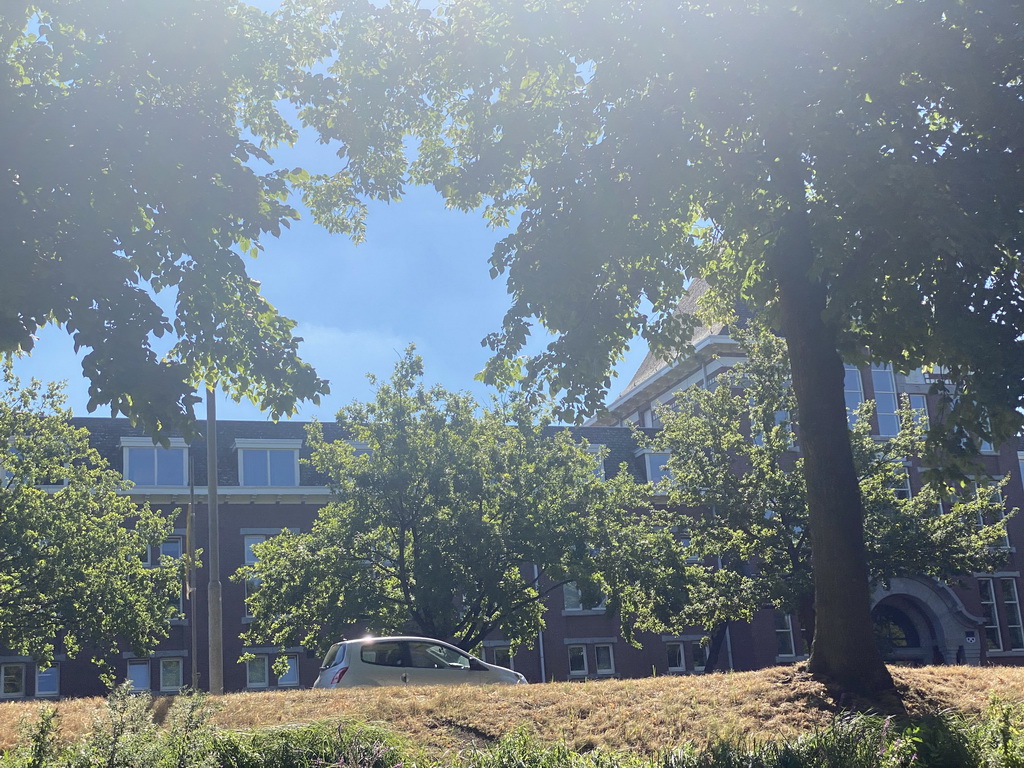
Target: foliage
737, 478
323, 746
135, 137
71, 544
850, 169
437, 506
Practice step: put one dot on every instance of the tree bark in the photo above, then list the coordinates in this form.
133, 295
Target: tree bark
844, 650
715, 648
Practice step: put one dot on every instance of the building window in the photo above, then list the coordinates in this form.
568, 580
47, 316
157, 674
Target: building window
596, 451
676, 658
578, 660
146, 464
502, 656
605, 655
268, 463
170, 674
573, 599
699, 655
656, 466
291, 677
886, 400
901, 488
251, 559
172, 547
138, 674
784, 634
48, 681
919, 405
976, 489
853, 390
993, 637
13, 677
1011, 610
256, 674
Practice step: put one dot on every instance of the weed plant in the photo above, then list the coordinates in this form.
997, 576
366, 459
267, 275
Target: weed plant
125, 736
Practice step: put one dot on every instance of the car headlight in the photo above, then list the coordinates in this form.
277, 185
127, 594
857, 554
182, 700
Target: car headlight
520, 678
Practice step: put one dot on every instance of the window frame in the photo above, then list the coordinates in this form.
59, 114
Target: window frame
890, 415
129, 444
12, 665
859, 391
181, 674
262, 660
784, 633
1011, 610
990, 614
680, 656
140, 664
293, 667
54, 670
241, 445
582, 648
610, 669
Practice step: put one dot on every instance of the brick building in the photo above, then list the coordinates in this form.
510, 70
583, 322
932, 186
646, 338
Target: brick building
264, 488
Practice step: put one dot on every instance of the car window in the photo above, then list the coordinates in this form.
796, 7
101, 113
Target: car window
335, 655
434, 656
384, 654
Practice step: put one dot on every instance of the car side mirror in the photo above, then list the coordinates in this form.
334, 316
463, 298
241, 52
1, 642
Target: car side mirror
477, 666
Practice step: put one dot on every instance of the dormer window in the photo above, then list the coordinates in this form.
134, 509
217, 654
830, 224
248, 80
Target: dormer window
268, 463
151, 465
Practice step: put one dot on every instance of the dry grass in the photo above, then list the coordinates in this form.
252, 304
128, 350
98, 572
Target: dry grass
642, 715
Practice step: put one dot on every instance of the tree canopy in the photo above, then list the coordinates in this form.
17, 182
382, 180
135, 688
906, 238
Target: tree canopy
851, 169
137, 179
737, 475
72, 568
439, 511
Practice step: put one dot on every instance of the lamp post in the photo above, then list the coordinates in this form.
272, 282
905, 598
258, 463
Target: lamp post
215, 607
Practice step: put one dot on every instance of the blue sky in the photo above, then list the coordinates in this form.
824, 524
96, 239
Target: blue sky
421, 277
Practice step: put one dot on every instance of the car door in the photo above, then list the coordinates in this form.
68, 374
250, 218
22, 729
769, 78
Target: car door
433, 663
383, 662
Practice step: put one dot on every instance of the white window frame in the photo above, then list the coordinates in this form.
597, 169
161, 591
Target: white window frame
250, 559
649, 470
180, 603
784, 632
595, 450
847, 391
176, 443
890, 416
586, 664
699, 653
293, 669
260, 659
679, 654
610, 669
165, 663
990, 613
19, 668
1011, 610
507, 651
140, 664
260, 444
920, 403
53, 671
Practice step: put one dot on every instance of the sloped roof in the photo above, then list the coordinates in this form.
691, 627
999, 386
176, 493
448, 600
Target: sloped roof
688, 305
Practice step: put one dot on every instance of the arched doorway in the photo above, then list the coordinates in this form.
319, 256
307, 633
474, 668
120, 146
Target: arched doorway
905, 633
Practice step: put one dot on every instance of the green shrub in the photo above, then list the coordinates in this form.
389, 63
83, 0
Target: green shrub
322, 746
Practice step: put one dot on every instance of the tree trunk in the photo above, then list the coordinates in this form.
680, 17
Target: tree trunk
715, 648
805, 617
844, 650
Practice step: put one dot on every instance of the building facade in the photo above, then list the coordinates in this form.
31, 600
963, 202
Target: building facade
264, 488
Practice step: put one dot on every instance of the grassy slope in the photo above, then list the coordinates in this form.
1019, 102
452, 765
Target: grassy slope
644, 715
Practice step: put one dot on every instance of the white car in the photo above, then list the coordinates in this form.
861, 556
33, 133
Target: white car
406, 661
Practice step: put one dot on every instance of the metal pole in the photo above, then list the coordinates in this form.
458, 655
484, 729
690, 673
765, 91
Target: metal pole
216, 612
191, 591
